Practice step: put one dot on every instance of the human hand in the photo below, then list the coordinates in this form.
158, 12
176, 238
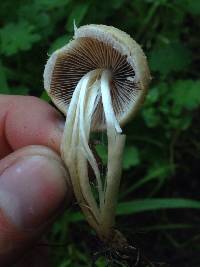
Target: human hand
33, 180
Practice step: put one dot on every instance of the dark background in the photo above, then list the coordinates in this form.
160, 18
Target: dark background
159, 199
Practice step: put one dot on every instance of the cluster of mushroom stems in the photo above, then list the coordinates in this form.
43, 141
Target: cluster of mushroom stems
77, 153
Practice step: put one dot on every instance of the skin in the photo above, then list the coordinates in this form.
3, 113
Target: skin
33, 181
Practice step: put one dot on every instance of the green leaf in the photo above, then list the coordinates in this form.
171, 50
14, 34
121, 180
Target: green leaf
102, 151
44, 96
193, 6
117, 3
151, 204
152, 96
59, 42
35, 14
77, 14
151, 117
158, 172
182, 122
19, 90
4, 89
131, 157
186, 94
170, 57
65, 263
136, 206
16, 37
51, 4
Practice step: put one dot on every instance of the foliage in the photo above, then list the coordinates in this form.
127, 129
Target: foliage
162, 141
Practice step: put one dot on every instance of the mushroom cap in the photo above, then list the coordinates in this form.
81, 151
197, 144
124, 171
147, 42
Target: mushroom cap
99, 47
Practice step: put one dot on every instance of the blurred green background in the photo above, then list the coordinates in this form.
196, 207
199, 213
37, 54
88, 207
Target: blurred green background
159, 202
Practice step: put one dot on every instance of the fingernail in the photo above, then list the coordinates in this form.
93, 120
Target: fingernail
31, 190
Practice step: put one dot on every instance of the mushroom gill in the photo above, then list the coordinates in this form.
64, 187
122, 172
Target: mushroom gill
86, 54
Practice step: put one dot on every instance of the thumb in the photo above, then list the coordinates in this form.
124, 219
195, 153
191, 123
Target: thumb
33, 185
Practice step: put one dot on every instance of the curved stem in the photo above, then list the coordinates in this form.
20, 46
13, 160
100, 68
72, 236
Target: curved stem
116, 143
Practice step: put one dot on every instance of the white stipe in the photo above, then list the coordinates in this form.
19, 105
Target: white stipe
77, 152
107, 101
87, 99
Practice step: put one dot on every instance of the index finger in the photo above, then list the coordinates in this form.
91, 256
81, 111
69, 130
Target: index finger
27, 120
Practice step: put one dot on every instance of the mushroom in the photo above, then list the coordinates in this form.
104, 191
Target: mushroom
98, 80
